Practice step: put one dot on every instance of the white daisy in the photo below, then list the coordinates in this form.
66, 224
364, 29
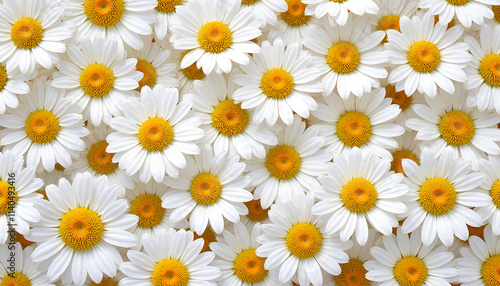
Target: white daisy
491, 187
166, 16
339, 9
256, 213
154, 134
408, 148
390, 12
265, 10
495, 21
12, 83
404, 102
467, 11
293, 24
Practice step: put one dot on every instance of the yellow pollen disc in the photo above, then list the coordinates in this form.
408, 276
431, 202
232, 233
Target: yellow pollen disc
359, 195
398, 97
457, 128
4, 197
97, 80
19, 279
338, 1
495, 193
437, 196
99, 160
215, 37
149, 210
458, 2
283, 162
489, 68
192, 72
167, 6
397, 158
295, 15
42, 126
255, 211
343, 57
354, 128
304, 240
22, 240
424, 56
104, 13
389, 22
206, 189
410, 271
26, 33
249, 267
277, 83
229, 118
155, 134
3, 78
496, 12
170, 272
248, 2
491, 271
81, 229
149, 71
208, 236
106, 281
352, 274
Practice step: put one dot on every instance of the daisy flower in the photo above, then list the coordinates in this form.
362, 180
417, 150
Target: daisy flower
210, 188
359, 122
441, 192
218, 32
98, 78
186, 76
297, 243
265, 10
491, 187
495, 21
350, 57
172, 258
425, 55
166, 16
390, 12
45, 126
256, 213
405, 261
154, 134
339, 9
290, 167
26, 270
293, 24
467, 11
446, 120
405, 103
12, 83
228, 126
81, 226
32, 34
277, 82
408, 148
358, 189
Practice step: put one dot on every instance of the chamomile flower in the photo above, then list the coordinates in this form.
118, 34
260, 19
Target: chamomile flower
166, 16
467, 11
186, 76
405, 103
12, 83
390, 12
98, 78
26, 270
278, 82
491, 187
408, 148
45, 127
32, 34
426, 55
495, 21
256, 213
210, 188
350, 57
339, 9
81, 226
228, 126
297, 243
154, 134
265, 10
218, 32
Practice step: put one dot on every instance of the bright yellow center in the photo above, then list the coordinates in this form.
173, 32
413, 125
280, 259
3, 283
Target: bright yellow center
354, 128
106, 281
206, 189
490, 69
42, 126
389, 22
495, 193
192, 72
81, 229
170, 272
496, 12
255, 211
458, 2
208, 236
155, 134
424, 56
149, 210
26, 33
19, 279
283, 162
149, 71
295, 15
97, 80
248, 2
99, 160
104, 13
352, 274
398, 97
304, 240
167, 6
229, 118
215, 37
277, 83
397, 159
343, 57
3, 78
249, 267
457, 128
359, 195
437, 196
5, 199
491, 271
410, 271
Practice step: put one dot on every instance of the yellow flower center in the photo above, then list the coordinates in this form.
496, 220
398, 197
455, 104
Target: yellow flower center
170, 272
495, 193
155, 134
81, 229
7, 200
192, 72
3, 78
354, 128
295, 15
104, 13
398, 97
397, 158
248, 2
496, 12
489, 68
352, 274
437, 196
106, 281
410, 271
283, 162
149, 210
19, 279
359, 195
208, 236
215, 37
424, 56
26, 33
277, 83
229, 118
99, 160
255, 211
249, 267
149, 71
97, 80
167, 6
42, 126
458, 2
490, 271
304, 240
206, 189
457, 128
388, 22
343, 57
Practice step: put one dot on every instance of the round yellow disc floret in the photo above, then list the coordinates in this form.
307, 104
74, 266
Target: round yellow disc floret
359, 195
397, 159
106, 281
255, 211
495, 193
26, 33
99, 160
192, 72
97, 80
304, 240
8, 197
283, 162
277, 83
458, 2
170, 272
437, 196
3, 77
343, 57
149, 71
489, 69
229, 118
389, 22
490, 271
15, 279
249, 267
206, 189
42, 126
104, 13
424, 56
81, 229
167, 6
208, 237
457, 128
354, 128
215, 37
411, 271
398, 97
352, 274
496, 12
248, 2
149, 210
155, 134
295, 15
